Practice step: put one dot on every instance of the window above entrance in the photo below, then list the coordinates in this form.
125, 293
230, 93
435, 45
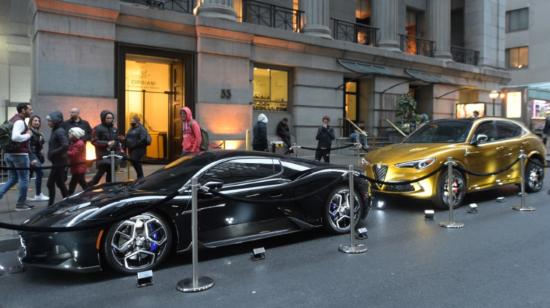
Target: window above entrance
270, 89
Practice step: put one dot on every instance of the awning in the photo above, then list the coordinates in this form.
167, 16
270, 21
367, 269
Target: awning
364, 68
427, 77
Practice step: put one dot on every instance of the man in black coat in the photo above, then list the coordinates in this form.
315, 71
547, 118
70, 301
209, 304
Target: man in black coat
105, 140
283, 131
325, 135
546, 129
259, 138
137, 139
76, 121
57, 154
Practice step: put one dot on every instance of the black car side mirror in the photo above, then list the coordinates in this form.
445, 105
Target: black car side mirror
213, 185
480, 139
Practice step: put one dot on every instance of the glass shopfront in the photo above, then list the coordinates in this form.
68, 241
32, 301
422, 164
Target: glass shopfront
152, 86
270, 89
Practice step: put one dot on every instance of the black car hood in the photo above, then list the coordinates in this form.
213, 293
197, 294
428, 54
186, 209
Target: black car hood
88, 202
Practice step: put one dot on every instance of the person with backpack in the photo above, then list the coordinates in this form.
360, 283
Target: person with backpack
36, 157
57, 154
105, 140
77, 158
14, 139
137, 139
259, 134
192, 133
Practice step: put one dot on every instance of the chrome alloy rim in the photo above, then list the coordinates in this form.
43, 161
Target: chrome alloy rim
339, 210
139, 241
457, 191
536, 176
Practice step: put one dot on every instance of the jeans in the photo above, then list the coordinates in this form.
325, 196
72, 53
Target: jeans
37, 169
21, 177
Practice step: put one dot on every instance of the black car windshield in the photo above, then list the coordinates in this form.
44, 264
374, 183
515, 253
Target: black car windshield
175, 174
441, 131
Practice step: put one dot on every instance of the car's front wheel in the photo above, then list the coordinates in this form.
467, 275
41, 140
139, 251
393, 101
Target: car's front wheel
137, 244
441, 200
337, 210
534, 176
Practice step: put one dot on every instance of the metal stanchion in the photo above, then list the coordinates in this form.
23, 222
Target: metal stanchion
352, 248
112, 156
521, 207
196, 283
450, 199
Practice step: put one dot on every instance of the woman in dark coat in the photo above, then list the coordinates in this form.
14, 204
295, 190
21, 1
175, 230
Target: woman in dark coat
36, 157
259, 138
57, 154
137, 140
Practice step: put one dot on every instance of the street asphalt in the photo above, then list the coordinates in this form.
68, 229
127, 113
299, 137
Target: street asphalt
499, 259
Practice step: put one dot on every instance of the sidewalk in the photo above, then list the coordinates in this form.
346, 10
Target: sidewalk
9, 239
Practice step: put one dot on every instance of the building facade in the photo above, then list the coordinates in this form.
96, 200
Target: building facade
527, 43
231, 60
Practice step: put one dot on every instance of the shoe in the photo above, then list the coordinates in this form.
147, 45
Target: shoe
22, 207
41, 197
31, 199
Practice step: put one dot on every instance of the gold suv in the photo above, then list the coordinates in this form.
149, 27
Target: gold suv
479, 146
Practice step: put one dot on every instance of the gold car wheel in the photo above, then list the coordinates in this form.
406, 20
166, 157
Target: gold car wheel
534, 177
458, 191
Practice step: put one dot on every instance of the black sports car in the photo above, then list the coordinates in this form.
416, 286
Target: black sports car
143, 241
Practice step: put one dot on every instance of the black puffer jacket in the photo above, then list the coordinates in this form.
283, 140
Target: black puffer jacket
325, 135
36, 146
259, 138
136, 141
58, 143
101, 136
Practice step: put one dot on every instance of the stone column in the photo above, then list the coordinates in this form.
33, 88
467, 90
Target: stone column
317, 17
439, 27
218, 9
385, 17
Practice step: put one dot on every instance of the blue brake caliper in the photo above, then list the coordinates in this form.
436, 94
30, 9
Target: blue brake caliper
154, 246
333, 206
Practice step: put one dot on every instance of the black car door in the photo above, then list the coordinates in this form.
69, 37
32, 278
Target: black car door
257, 178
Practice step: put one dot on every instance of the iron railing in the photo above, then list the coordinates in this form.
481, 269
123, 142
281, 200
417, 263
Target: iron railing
416, 45
464, 55
353, 32
274, 16
183, 6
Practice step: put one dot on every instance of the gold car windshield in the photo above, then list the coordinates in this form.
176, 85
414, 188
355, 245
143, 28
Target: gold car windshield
441, 131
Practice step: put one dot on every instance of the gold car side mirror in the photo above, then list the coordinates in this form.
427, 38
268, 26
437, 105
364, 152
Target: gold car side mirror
480, 139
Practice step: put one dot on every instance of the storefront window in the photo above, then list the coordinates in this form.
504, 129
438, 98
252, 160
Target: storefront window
464, 111
513, 104
517, 58
540, 109
270, 89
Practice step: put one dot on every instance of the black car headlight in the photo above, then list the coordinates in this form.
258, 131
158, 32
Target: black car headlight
417, 164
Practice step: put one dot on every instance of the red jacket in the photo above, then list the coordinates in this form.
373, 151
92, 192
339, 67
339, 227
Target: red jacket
77, 157
191, 141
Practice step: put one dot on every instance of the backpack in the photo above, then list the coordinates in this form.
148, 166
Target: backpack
6, 143
205, 142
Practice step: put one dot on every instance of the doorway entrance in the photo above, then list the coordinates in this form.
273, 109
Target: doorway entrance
152, 86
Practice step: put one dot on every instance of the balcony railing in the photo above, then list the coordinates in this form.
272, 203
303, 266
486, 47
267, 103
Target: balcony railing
416, 46
271, 15
184, 6
353, 32
464, 55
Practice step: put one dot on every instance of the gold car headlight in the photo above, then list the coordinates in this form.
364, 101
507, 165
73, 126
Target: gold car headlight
417, 164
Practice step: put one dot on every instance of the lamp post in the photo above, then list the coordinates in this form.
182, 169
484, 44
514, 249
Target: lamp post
493, 95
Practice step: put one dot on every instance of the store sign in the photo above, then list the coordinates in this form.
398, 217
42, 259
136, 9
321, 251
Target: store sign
513, 105
141, 80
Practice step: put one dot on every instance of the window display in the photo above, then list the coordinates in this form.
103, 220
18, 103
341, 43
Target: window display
270, 89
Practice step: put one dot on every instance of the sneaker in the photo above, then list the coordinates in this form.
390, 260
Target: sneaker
41, 197
31, 199
22, 207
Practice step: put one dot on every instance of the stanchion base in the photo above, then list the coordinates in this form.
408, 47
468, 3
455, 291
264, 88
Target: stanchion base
203, 284
451, 224
524, 209
355, 249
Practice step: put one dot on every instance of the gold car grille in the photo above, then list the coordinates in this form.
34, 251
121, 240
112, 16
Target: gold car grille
380, 171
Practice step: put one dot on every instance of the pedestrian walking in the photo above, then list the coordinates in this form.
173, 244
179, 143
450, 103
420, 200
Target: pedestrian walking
283, 132
57, 154
546, 130
77, 158
192, 138
36, 145
259, 138
324, 137
16, 155
76, 121
137, 139
105, 140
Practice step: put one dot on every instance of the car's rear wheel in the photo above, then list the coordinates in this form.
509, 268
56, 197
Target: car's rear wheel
534, 176
337, 210
441, 199
137, 244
